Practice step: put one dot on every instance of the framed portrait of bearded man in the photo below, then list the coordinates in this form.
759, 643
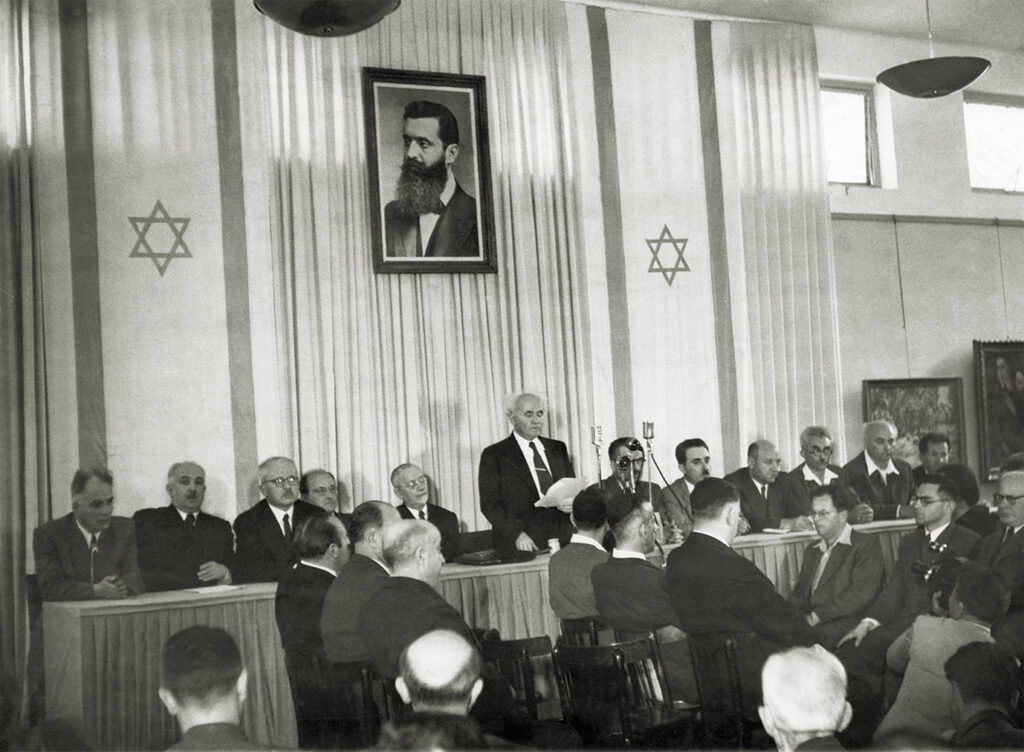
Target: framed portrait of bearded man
429, 172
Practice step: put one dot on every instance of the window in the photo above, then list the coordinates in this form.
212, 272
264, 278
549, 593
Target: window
995, 149
849, 128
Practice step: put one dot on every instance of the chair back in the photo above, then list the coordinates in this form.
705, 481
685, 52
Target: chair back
656, 668
583, 631
514, 660
362, 699
726, 665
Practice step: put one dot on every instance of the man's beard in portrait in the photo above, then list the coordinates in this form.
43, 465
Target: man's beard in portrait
419, 187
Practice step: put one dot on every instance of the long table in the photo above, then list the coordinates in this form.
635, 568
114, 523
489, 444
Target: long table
103, 657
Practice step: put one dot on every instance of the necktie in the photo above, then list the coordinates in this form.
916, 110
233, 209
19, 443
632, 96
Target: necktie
764, 492
422, 514
93, 548
190, 520
543, 476
287, 528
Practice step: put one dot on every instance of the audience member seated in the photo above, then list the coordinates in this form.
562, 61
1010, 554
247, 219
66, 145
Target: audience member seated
413, 488
714, 589
804, 702
203, 686
923, 708
767, 498
816, 447
322, 546
842, 573
88, 553
1003, 550
694, 460
882, 481
180, 546
431, 732
907, 595
933, 451
570, 590
632, 595
319, 488
625, 484
981, 518
986, 685
263, 534
359, 578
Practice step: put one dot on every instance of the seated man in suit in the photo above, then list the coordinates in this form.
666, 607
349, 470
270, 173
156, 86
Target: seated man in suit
570, 591
516, 472
1003, 550
413, 488
322, 546
933, 449
88, 553
180, 546
817, 448
203, 685
694, 462
842, 573
263, 534
362, 576
981, 518
882, 481
632, 595
767, 497
713, 589
319, 488
985, 684
805, 703
624, 484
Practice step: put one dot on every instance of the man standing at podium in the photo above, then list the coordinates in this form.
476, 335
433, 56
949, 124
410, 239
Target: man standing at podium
516, 472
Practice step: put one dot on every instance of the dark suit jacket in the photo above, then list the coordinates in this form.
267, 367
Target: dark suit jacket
455, 233
613, 491
171, 552
507, 494
215, 736
63, 558
400, 612
883, 499
783, 500
446, 522
906, 596
803, 487
262, 554
360, 578
298, 605
1008, 561
851, 581
988, 729
980, 519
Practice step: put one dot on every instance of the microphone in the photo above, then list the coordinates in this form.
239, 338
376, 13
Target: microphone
635, 446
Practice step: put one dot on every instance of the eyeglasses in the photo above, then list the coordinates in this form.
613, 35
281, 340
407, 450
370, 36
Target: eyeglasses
822, 514
415, 482
999, 498
624, 462
820, 451
925, 500
324, 489
291, 480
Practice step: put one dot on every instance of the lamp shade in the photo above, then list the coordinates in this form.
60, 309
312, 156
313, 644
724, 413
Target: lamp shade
933, 76
326, 18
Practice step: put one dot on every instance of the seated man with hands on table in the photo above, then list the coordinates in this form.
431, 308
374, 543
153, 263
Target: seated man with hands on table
179, 545
88, 553
882, 481
767, 497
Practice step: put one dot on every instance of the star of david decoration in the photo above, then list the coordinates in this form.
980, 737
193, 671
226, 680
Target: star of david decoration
143, 249
678, 265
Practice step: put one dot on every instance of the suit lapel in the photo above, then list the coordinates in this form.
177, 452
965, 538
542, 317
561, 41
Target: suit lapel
518, 462
1016, 543
835, 561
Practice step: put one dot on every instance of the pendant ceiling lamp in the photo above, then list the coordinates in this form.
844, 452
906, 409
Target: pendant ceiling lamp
326, 18
933, 76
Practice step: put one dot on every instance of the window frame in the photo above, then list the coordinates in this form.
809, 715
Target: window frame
867, 91
1000, 100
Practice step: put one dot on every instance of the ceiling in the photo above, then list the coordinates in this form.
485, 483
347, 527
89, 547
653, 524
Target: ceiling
997, 24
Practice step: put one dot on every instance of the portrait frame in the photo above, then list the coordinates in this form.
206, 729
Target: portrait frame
1000, 406
398, 247
917, 407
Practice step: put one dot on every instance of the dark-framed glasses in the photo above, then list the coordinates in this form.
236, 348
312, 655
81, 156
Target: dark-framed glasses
925, 500
820, 451
999, 498
823, 514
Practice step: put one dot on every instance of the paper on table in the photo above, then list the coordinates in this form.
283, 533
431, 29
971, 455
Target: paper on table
215, 589
776, 530
561, 491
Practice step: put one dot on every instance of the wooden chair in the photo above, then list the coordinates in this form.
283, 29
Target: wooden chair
583, 631
363, 700
610, 695
726, 665
514, 660
652, 637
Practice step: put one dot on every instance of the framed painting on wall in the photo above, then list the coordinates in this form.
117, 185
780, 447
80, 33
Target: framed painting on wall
917, 407
999, 383
429, 171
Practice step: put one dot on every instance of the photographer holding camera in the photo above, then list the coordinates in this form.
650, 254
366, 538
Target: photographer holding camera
906, 596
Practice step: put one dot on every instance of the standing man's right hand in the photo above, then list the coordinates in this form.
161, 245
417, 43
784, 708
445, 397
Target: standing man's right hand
525, 543
110, 588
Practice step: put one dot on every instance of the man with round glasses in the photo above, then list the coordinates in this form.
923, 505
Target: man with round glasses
627, 459
413, 488
817, 449
263, 534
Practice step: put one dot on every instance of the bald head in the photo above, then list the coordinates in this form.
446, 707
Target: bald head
764, 461
412, 548
804, 695
440, 672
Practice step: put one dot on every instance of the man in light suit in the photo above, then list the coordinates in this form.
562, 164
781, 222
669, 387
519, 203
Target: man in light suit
88, 553
570, 591
767, 498
842, 573
263, 534
432, 215
694, 460
516, 472
181, 546
413, 488
881, 481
